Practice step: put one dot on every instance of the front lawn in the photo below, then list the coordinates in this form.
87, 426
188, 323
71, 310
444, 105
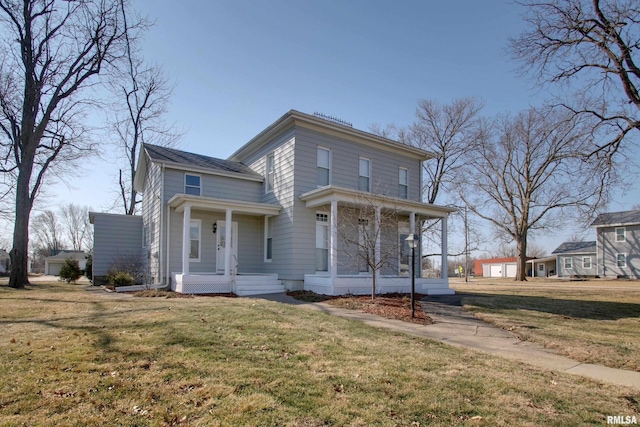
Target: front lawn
69, 357
593, 322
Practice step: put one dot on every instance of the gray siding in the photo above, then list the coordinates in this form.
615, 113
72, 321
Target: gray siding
151, 218
115, 236
217, 186
577, 268
608, 249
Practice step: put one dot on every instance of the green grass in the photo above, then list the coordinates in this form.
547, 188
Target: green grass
69, 357
595, 322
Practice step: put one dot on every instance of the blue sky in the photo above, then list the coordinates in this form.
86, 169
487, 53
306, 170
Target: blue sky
239, 65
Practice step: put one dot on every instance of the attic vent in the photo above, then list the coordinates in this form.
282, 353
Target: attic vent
333, 119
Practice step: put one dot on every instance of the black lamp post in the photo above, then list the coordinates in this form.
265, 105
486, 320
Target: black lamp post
413, 240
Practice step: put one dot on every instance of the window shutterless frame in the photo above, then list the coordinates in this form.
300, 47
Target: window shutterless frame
270, 173
364, 174
324, 166
192, 184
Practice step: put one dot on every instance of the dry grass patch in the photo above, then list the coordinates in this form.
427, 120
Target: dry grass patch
593, 322
69, 357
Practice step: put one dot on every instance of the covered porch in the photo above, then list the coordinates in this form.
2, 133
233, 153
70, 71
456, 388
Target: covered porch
388, 279
227, 273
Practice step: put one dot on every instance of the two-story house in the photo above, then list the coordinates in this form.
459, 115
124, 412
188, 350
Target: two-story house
279, 213
618, 244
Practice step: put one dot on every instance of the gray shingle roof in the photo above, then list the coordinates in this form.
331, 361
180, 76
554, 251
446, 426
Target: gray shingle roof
617, 218
163, 154
575, 247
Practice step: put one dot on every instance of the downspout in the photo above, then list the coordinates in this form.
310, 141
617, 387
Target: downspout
161, 257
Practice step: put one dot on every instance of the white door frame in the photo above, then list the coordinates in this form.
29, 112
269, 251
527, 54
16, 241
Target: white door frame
234, 247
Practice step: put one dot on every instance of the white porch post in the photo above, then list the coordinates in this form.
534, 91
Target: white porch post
333, 240
412, 223
227, 243
377, 248
186, 238
443, 243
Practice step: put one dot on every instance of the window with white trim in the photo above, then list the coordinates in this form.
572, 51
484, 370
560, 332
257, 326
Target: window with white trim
268, 243
324, 167
586, 262
621, 260
364, 178
620, 234
567, 262
194, 240
192, 184
322, 241
365, 236
270, 173
403, 183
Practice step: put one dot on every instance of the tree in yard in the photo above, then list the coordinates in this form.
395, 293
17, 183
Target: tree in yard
75, 225
368, 233
530, 172
591, 49
47, 231
142, 95
53, 53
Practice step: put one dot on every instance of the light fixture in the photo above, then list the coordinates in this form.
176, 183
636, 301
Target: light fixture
215, 227
413, 240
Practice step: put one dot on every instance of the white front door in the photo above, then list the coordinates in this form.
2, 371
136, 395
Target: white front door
541, 270
221, 241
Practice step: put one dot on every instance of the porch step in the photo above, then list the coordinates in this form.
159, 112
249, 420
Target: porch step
246, 288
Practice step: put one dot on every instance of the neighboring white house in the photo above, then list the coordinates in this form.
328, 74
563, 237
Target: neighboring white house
576, 259
53, 264
269, 217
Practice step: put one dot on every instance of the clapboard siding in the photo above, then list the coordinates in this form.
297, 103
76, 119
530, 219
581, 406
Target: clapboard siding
577, 268
217, 186
115, 237
608, 249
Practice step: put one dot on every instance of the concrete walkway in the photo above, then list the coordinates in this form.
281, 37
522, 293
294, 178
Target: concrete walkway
456, 327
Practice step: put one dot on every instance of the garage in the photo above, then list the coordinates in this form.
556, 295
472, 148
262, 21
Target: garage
53, 264
496, 271
511, 270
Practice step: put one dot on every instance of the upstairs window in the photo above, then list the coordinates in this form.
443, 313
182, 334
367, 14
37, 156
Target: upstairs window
620, 234
365, 174
403, 186
192, 184
324, 167
271, 168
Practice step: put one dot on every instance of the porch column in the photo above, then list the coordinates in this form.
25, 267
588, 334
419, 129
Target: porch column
227, 243
186, 238
377, 248
412, 223
412, 230
443, 243
333, 240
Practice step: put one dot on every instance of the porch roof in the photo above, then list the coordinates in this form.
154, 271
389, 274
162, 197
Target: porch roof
538, 260
329, 193
215, 204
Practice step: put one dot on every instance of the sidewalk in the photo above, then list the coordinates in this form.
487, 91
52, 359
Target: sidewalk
456, 327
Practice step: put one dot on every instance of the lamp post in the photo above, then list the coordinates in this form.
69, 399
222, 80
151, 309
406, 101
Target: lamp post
413, 240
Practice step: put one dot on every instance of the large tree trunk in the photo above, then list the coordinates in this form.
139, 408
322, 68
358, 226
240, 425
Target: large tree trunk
521, 271
19, 272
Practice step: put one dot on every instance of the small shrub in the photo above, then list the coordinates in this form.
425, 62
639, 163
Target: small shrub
120, 278
70, 271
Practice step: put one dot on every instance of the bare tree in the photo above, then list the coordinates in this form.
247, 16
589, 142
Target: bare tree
591, 49
53, 51
368, 234
530, 173
142, 93
47, 231
74, 221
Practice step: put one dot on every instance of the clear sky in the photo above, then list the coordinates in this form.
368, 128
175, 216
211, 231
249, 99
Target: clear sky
238, 65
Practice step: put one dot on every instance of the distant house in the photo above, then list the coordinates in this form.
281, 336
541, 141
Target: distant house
618, 244
53, 264
496, 267
269, 217
5, 261
576, 259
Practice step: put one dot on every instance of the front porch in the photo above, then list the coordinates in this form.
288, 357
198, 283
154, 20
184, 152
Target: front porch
361, 285
242, 284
